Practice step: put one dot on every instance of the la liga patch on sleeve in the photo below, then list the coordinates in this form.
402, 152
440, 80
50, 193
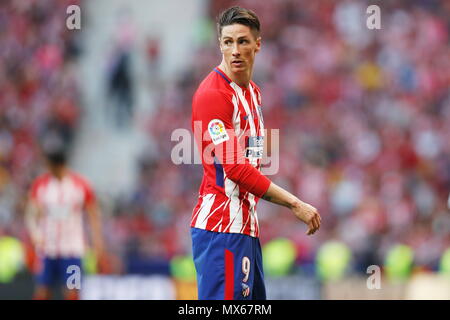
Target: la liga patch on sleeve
217, 131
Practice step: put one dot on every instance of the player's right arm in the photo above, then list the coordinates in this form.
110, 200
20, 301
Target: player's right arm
302, 210
214, 105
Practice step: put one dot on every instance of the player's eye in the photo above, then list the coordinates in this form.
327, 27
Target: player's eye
243, 41
227, 42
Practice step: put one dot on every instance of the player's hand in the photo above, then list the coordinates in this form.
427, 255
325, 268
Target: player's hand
309, 215
103, 265
38, 241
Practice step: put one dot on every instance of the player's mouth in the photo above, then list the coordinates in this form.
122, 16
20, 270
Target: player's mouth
237, 63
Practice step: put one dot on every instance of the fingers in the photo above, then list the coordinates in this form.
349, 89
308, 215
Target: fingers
311, 229
314, 224
318, 220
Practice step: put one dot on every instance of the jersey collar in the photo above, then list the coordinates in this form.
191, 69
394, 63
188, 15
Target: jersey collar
222, 74
226, 78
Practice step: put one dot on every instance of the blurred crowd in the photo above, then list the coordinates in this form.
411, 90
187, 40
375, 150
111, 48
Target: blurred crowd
364, 120
39, 98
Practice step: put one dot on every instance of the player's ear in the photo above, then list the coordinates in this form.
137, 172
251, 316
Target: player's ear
220, 45
258, 44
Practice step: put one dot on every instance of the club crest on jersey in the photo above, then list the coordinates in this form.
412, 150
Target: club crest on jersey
217, 131
245, 290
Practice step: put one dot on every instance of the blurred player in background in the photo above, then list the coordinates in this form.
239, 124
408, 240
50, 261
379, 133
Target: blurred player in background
224, 227
54, 219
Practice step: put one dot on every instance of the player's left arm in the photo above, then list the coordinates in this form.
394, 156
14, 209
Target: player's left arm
94, 214
277, 195
93, 211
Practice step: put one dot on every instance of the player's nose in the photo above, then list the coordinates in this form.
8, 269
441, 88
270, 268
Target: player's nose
235, 51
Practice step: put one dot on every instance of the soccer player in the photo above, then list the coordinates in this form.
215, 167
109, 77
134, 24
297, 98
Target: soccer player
229, 130
54, 219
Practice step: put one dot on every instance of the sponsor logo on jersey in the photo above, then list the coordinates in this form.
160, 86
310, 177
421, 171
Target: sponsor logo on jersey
255, 147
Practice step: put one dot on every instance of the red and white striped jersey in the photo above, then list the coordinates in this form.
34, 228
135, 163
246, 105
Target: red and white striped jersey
229, 132
61, 203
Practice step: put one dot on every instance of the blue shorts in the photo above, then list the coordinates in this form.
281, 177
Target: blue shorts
56, 270
229, 266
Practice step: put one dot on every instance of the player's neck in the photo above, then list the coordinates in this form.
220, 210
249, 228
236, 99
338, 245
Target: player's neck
242, 79
58, 173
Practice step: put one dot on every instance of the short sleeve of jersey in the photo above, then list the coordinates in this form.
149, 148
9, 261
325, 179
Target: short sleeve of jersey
89, 195
210, 106
34, 190
37, 184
